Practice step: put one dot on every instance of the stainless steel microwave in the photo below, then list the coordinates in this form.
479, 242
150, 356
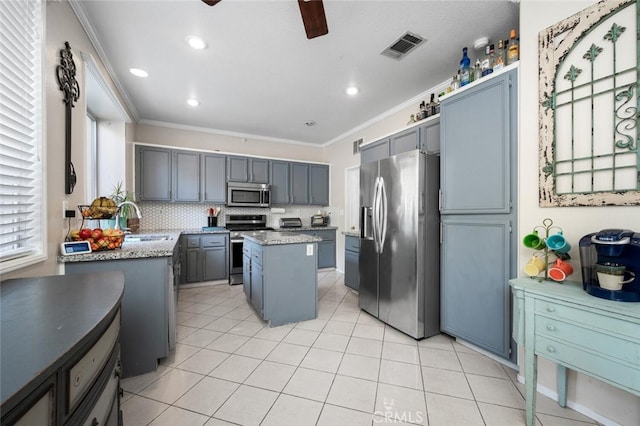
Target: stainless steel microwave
241, 194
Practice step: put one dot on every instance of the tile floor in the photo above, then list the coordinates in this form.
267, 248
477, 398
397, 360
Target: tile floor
343, 368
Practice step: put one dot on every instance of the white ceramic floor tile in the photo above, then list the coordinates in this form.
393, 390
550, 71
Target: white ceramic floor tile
400, 352
171, 386
548, 420
396, 402
395, 336
273, 333
332, 342
218, 422
219, 310
293, 411
365, 331
313, 325
333, 416
287, 353
247, 328
247, 406
366, 347
339, 327
138, 411
183, 331
350, 392
439, 341
257, 348
236, 368
199, 320
446, 411
136, 383
360, 366
197, 308
504, 416
239, 313
222, 324
481, 365
271, 375
321, 359
367, 319
177, 416
310, 384
345, 316
207, 395
182, 316
447, 382
400, 374
203, 362
179, 354
547, 406
228, 343
200, 338
301, 337
439, 358
495, 391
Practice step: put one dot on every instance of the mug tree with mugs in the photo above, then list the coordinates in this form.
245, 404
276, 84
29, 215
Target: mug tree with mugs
555, 243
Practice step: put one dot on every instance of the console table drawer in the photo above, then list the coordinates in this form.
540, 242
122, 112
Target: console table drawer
589, 339
618, 373
591, 319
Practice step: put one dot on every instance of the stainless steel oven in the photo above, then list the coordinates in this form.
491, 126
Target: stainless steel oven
248, 194
238, 224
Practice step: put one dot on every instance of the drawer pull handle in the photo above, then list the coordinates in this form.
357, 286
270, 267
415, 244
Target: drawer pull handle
551, 309
551, 349
550, 327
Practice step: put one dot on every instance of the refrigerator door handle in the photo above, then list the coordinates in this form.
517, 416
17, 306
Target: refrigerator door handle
376, 215
383, 216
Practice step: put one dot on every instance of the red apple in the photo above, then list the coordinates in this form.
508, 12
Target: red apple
96, 234
85, 233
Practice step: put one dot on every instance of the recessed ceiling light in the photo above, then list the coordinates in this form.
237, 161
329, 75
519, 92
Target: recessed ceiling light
196, 42
138, 72
352, 90
193, 102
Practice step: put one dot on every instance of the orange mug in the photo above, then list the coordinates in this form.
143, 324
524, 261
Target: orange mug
560, 270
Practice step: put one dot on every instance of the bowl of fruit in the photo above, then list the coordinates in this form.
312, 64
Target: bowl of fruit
99, 239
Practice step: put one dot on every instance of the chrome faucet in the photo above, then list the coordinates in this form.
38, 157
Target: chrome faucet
131, 203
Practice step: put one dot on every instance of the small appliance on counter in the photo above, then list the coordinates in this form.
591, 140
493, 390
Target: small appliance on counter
319, 220
290, 222
611, 263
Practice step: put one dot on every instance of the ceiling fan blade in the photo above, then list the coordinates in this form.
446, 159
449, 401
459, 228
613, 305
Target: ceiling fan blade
313, 17
211, 2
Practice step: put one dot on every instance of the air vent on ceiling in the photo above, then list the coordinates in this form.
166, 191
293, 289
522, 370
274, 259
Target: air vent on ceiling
402, 46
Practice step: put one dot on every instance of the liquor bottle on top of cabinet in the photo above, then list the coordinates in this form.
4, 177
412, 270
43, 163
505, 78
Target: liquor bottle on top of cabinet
465, 68
513, 53
500, 57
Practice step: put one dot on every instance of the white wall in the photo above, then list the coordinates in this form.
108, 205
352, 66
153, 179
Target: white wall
535, 16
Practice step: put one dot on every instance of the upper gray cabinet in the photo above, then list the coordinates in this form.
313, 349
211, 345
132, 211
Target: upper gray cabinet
299, 183
374, 151
186, 176
407, 140
430, 137
213, 178
247, 169
319, 184
280, 182
153, 174
476, 176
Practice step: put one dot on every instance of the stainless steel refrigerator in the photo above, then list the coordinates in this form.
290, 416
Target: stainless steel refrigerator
399, 242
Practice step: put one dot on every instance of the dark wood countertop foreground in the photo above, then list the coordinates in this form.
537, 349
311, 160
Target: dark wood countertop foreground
44, 320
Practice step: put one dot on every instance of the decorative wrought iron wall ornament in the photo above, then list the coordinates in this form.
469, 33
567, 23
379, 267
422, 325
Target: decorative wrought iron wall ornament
66, 74
588, 120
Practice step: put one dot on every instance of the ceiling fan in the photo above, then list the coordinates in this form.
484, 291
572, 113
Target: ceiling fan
313, 17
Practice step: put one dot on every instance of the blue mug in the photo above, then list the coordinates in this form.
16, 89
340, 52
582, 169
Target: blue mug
558, 243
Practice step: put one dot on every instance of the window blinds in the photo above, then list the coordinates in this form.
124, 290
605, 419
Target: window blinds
21, 193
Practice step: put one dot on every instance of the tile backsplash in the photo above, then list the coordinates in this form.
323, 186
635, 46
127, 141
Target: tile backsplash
157, 216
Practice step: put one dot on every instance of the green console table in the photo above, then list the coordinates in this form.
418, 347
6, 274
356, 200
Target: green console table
561, 322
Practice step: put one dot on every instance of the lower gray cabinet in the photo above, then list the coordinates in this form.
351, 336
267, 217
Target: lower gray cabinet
326, 247
205, 257
351, 259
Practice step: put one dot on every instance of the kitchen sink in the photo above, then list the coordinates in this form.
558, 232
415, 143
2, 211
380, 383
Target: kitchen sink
140, 238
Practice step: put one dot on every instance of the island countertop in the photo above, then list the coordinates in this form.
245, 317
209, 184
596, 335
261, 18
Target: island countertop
44, 320
270, 238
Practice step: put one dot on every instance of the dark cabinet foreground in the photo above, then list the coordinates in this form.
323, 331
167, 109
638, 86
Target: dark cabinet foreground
351, 259
205, 257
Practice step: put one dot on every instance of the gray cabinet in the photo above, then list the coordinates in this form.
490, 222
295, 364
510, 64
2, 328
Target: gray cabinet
280, 181
374, 151
326, 247
299, 183
153, 173
186, 176
319, 184
478, 184
281, 293
404, 141
247, 169
351, 259
214, 188
205, 257
430, 136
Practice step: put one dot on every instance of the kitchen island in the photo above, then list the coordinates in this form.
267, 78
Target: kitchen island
279, 275
149, 300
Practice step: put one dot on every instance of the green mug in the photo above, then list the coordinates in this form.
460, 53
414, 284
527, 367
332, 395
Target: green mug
533, 241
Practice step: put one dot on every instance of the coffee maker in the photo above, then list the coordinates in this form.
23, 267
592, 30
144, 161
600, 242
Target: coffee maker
617, 247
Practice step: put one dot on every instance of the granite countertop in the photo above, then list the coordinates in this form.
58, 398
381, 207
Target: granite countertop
206, 230
132, 249
44, 322
307, 228
351, 233
270, 238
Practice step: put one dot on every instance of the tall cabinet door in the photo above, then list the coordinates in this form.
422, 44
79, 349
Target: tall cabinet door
476, 267
214, 185
153, 173
476, 145
186, 169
